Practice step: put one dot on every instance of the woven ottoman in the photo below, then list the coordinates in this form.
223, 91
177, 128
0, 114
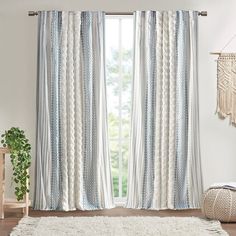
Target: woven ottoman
219, 204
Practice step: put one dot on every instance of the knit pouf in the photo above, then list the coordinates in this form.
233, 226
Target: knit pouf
219, 204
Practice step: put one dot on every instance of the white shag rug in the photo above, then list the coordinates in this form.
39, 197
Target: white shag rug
121, 226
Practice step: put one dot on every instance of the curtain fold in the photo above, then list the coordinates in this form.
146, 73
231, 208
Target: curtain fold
72, 155
164, 165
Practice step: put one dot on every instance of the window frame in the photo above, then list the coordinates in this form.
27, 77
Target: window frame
120, 200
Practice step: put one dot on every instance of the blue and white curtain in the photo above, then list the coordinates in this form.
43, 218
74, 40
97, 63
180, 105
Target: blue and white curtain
164, 165
72, 156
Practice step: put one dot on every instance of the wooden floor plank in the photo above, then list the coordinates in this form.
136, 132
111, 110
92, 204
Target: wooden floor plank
12, 216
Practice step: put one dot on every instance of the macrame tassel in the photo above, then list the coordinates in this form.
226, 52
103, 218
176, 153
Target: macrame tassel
233, 91
226, 86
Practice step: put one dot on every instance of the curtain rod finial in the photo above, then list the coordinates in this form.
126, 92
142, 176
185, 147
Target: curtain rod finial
32, 13
202, 13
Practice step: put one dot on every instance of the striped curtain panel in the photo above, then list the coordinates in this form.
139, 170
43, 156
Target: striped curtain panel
164, 165
72, 156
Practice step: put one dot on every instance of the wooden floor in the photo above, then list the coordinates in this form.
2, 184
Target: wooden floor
12, 217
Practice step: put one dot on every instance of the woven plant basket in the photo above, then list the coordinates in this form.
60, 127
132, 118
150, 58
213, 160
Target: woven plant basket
219, 204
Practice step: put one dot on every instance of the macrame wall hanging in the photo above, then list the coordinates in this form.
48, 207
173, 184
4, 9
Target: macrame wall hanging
226, 85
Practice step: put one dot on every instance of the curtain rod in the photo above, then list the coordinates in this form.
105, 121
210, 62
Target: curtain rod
35, 13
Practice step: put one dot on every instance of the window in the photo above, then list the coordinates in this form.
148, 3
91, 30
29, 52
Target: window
119, 67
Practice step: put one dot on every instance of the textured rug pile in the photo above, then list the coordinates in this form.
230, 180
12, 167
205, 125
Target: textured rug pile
121, 226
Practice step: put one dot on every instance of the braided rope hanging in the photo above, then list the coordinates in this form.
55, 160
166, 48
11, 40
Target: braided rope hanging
226, 86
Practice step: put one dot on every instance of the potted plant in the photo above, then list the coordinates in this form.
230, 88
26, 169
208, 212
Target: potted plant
17, 143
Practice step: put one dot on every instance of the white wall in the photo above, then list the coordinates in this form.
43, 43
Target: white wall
18, 45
